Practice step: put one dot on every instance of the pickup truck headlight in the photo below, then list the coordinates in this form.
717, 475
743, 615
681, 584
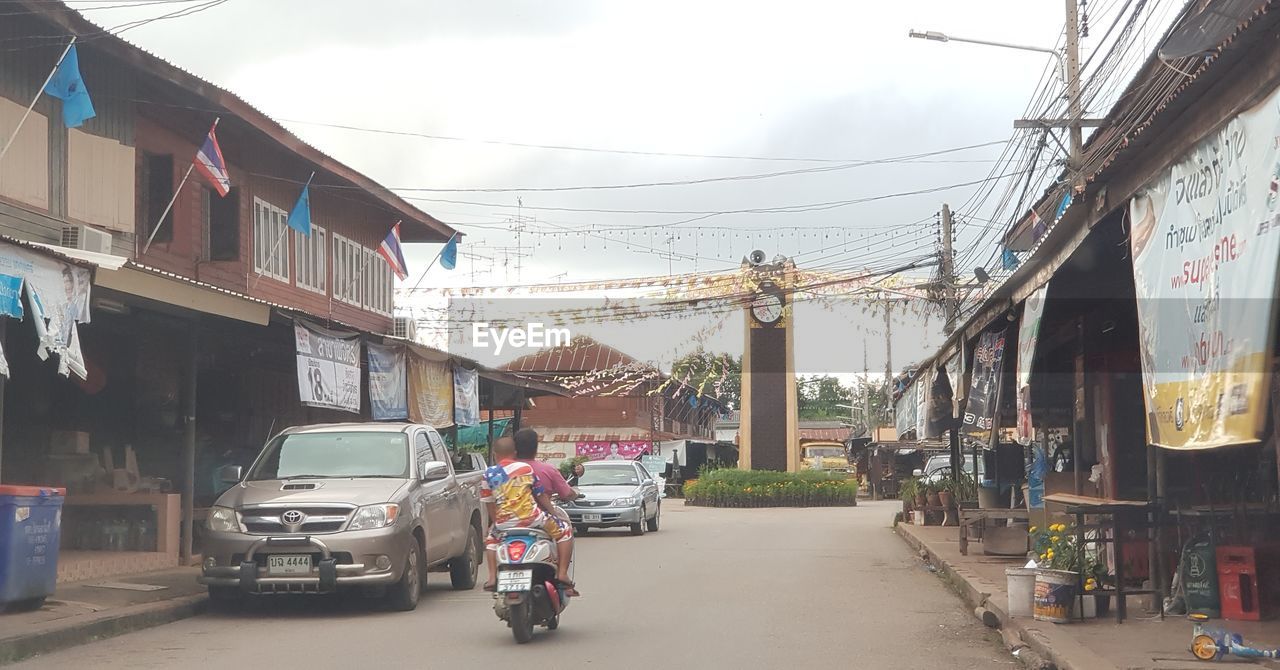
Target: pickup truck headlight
370, 517
629, 501
224, 520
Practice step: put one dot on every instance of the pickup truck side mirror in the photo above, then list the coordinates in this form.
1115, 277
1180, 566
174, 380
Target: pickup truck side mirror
230, 474
434, 471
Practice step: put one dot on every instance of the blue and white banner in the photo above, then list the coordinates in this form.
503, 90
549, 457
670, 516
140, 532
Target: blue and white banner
11, 296
388, 382
466, 396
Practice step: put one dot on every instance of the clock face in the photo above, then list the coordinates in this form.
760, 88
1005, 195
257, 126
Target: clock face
767, 308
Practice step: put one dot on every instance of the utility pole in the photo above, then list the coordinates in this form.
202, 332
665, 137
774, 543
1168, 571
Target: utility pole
866, 390
1072, 75
888, 356
950, 308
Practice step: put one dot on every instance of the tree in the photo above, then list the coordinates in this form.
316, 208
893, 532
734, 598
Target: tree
820, 397
862, 389
715, 374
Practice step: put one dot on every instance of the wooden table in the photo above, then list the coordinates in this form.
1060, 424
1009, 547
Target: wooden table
166, 506
970, 517
1114, 511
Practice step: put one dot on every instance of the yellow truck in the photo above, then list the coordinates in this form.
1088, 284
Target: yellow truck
828, 456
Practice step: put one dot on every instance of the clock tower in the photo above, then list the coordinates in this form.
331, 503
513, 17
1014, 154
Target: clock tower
768, 437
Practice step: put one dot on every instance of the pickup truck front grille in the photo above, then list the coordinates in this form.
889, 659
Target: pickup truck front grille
314, 520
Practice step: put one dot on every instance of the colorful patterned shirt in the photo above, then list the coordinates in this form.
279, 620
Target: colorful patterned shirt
512, 487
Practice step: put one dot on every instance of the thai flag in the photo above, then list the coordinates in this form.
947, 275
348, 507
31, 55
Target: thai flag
210, 164
390, 252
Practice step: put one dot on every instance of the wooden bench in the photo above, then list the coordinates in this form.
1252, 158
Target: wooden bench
971, 517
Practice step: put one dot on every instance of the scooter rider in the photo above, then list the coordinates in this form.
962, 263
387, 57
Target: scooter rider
516, 499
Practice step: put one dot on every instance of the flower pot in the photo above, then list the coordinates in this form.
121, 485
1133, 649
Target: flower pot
1055, 594
947, 498
1022, 589
933, 500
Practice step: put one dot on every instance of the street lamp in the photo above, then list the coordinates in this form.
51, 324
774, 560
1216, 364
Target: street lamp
935, 36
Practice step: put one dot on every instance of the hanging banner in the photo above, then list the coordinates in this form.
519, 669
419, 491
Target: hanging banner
1205, 240
328, 367
904, 412
388, 382
923, 388
940, 406
431, 391
612, 451
955, 374
466, 396
1028, 335
11, 296
982, 405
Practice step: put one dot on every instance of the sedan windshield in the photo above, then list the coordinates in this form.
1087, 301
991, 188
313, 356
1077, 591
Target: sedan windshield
609, 475
334, 455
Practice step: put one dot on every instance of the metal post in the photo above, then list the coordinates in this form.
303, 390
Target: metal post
489, 455
3, 331
189, 443
888, 356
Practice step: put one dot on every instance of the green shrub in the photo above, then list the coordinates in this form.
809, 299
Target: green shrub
761, 488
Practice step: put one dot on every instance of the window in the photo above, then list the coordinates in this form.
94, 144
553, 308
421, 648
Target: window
361, 277
309, 259
378, 286
158, 180
270, 253
337, 455
421, 450
348, 261
221, 217
437, 446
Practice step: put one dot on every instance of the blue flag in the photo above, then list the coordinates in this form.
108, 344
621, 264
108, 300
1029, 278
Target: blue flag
449, 256
1008, 259
1062, 206
300, 215
67, 86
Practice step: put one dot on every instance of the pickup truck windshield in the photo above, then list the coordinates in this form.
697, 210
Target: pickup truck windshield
334, 455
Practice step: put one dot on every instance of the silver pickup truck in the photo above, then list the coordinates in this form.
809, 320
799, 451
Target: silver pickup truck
336, 506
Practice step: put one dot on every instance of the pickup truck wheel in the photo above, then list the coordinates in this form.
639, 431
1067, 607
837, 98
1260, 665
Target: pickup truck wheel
464, 569
403, 595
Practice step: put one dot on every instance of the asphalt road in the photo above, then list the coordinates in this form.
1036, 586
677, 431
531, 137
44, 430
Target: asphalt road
784, 588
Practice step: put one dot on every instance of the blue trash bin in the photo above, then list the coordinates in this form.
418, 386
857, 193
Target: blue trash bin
30, 523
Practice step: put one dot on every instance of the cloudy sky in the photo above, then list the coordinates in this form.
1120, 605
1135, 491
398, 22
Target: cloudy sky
621, 86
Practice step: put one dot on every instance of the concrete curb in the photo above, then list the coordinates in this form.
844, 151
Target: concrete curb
82, 629
974, 597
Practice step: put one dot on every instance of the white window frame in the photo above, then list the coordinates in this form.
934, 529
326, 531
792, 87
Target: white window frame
310, 260
269, 225
348, 258
378, 284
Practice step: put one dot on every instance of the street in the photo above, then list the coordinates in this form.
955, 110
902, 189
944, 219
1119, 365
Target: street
759, 588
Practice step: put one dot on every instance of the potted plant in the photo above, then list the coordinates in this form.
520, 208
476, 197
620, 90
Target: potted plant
1061, 562
946, 492
931, 494
907, 492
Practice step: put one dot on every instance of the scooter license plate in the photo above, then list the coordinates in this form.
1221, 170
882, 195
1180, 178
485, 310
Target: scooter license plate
588, 518
515, 580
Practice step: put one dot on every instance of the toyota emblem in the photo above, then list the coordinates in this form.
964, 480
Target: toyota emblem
292, 517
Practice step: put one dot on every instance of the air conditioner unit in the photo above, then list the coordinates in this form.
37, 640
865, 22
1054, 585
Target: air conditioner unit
405, 327
86, 239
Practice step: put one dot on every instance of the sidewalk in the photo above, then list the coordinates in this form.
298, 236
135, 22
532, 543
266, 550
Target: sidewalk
1142, 642
84, 611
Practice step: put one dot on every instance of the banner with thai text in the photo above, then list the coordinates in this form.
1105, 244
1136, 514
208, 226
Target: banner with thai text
1028, 335
982, 406
388, 382
613, 450
328, 367
58, 296
1205, 238
430, 391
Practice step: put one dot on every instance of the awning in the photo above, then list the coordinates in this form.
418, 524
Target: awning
104, 261
185, 293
